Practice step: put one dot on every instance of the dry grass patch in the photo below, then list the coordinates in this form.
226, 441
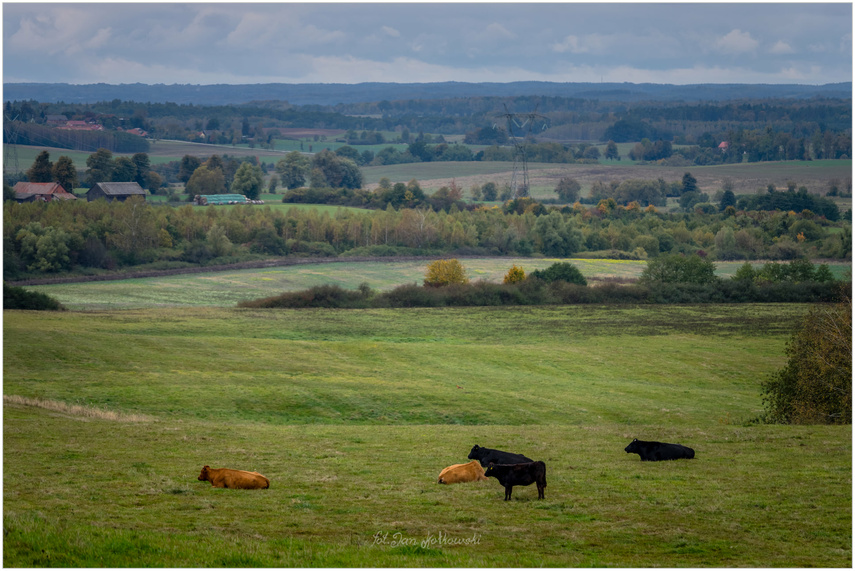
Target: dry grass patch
75, 410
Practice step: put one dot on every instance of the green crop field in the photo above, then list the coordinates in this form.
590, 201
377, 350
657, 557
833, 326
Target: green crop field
110, 415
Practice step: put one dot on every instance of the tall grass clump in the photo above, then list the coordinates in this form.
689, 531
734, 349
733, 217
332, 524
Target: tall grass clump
75, 409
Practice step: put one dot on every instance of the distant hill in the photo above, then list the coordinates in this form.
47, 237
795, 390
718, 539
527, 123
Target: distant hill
336, 93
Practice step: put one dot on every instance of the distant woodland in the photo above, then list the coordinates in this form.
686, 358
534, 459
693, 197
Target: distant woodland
772, 123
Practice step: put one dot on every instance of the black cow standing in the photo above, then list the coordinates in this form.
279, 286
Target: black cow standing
655, 451
487, 455
510, 475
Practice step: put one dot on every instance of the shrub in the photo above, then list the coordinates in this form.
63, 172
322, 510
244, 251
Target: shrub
327, 296
677, 268
445, 272
815, 386
514, 275
410, 295
561, 271
15, 297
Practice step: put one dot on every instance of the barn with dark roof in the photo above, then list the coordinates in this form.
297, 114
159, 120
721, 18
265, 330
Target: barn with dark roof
114, 191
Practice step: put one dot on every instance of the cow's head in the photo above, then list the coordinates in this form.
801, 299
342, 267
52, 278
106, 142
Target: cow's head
633, 446
490, 471
204, 475
475, 453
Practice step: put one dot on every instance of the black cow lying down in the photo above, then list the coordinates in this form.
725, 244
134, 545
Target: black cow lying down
654, 451
487, 455
510, 475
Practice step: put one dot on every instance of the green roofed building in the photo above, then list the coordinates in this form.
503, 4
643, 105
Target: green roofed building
204, 199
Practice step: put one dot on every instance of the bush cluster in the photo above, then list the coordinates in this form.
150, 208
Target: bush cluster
15, 297
534, 291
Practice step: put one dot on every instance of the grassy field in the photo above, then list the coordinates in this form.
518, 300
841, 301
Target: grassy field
352, 414
227, 288
747, 178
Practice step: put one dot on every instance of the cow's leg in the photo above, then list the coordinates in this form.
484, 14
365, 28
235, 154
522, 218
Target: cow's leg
508, 490
540, 495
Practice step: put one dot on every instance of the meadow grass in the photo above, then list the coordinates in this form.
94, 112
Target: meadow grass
352, 414
228, 288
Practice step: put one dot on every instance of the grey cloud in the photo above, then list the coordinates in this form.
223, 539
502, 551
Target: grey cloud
296, 42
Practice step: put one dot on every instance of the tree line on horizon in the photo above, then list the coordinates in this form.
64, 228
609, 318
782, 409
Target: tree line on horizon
762, 130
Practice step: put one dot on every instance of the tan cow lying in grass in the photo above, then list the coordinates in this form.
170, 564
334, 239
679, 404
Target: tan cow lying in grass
458, 473
227, 478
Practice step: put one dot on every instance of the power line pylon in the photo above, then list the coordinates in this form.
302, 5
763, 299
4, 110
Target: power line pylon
522, 123
10, 145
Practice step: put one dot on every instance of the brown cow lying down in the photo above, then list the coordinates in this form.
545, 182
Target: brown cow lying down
471, 472
227, 478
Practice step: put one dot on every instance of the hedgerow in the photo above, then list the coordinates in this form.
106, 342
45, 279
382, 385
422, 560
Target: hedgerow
534, 291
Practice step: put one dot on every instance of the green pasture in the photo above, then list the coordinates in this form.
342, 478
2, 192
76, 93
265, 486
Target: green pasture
228, 288
353, 413
27, 155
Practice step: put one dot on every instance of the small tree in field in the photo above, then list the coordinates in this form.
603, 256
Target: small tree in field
445, 272
514, 275
815, 386
568, 189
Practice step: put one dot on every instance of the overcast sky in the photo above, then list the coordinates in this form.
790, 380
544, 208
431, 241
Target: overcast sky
207, 43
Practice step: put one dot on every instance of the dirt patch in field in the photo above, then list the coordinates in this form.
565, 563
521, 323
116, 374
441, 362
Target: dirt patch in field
295, 133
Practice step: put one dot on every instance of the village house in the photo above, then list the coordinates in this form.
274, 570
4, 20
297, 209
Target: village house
110, 191
41, 192
81, 126
136, 131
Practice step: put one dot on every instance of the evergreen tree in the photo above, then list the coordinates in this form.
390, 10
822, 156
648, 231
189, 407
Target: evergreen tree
690, 184
727, 199
143, 166
65, 173
188, 166
41, 171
